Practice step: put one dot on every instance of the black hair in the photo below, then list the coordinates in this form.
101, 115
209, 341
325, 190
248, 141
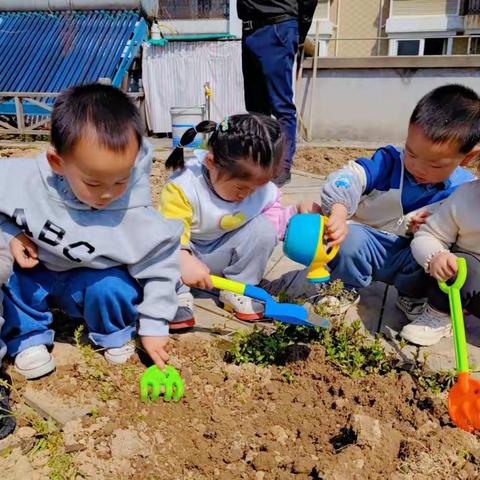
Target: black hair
104, 109
255, 137
450, 113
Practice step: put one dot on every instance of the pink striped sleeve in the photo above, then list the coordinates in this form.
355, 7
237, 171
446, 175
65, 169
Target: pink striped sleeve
279, 216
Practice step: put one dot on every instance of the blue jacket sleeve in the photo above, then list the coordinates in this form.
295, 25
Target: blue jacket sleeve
383, 171
360, 177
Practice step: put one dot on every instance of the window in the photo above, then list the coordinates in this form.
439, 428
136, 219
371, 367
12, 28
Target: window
474, 46
408, 47
435, 46
193, 9
422, 46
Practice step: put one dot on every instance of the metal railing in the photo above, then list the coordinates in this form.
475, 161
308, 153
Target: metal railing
471, 7
358, 47
28, 113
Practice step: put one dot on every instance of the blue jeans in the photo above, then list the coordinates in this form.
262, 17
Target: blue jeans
268, 55
105, 299
369, 254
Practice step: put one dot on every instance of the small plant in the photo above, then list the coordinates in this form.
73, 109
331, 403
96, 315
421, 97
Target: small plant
49, 438
346, 346
288, 376
86, 350
97, 370
283, 297
355, 353
331, 299
107, 391
436, 382
62, 467
351, 350
129, 373
336, 289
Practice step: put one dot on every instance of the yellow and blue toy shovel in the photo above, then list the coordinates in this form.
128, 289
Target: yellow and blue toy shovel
283, 312
464, 396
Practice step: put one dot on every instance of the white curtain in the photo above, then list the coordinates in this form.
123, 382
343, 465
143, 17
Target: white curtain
174, 75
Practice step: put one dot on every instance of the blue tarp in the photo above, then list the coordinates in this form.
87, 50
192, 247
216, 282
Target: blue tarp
49, 51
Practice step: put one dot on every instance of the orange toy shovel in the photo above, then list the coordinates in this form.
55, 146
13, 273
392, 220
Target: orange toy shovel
464, 396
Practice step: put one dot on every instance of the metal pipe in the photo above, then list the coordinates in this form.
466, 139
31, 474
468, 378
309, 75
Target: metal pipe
379, 27
150, 7
337, 30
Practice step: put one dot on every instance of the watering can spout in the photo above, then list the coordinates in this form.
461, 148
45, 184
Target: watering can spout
317, 273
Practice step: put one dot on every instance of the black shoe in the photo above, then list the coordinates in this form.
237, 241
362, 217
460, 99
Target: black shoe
282, 179
7, 420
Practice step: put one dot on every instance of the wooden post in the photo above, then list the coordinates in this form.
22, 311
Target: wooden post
19, 113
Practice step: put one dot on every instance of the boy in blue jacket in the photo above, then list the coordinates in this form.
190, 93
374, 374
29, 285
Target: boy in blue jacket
376, 204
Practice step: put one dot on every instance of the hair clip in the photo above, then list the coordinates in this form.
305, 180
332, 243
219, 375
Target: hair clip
180, 146
224, 124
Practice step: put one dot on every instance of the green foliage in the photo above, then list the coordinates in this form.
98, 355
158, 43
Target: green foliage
352, 351
288, 376
346, 346
49, 437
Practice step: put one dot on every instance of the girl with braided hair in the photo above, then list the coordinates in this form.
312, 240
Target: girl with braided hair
229, 207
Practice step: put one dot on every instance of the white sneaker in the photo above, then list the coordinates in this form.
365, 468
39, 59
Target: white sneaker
121, 354
34, 362
428, 328
411, 307
243, 307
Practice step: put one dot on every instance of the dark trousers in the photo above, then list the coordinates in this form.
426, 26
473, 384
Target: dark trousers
470, 292
268, 55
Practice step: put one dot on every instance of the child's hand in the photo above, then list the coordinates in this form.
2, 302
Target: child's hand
417, 221
24, 251
194, 272
337, 227
443, 266
309, 207
155, 347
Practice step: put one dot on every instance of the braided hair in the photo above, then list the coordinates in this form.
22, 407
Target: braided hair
245, 137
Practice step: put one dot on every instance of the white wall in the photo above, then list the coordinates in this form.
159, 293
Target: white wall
372, 105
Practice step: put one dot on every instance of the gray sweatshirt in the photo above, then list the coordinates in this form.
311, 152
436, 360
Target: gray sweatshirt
70, 234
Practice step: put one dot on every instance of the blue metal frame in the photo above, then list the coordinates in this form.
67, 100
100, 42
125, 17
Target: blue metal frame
48, 52
134, 45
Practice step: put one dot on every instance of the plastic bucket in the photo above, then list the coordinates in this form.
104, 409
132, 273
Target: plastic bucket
184, 118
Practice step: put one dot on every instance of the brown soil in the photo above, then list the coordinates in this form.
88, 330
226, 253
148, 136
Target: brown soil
250, 423
325, 160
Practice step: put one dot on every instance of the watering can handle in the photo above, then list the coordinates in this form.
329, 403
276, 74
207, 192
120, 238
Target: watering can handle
333, 252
